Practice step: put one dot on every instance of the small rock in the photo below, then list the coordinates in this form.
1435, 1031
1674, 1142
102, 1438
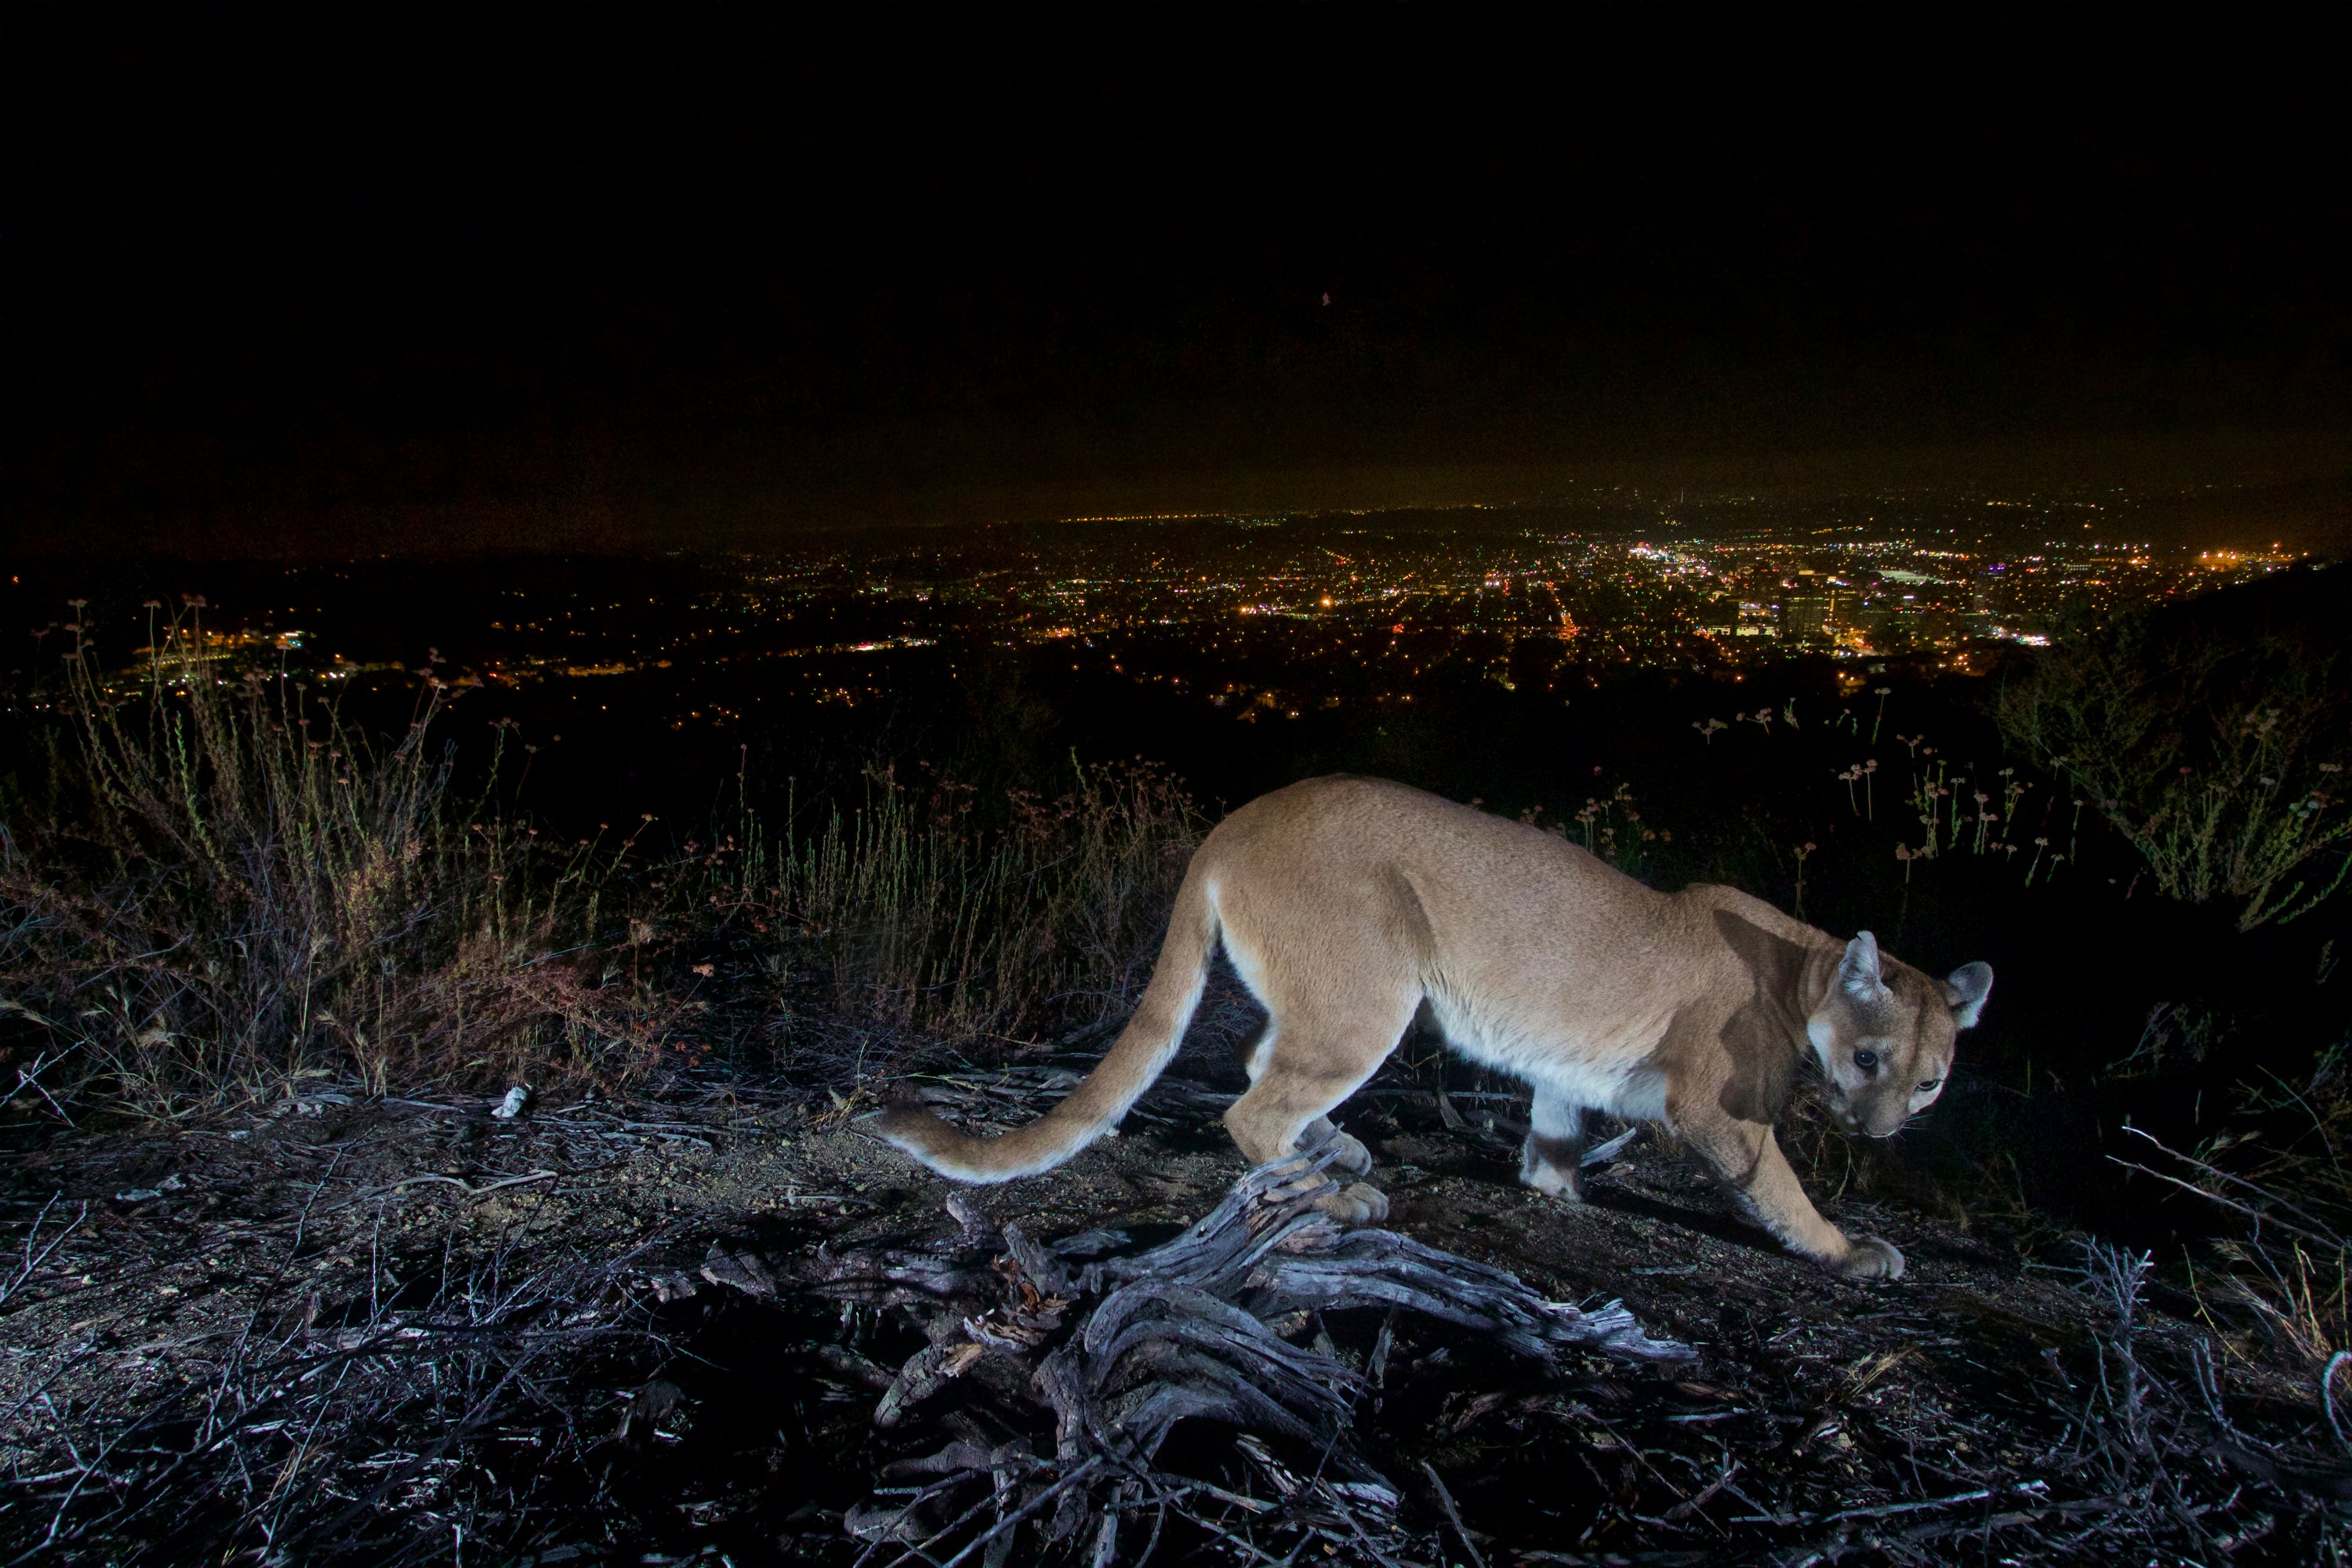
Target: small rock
513, 1106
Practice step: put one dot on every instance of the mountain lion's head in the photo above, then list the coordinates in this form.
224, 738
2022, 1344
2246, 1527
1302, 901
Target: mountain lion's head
1884, 1034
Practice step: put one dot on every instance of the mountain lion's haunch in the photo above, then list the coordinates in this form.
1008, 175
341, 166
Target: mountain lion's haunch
1344, 903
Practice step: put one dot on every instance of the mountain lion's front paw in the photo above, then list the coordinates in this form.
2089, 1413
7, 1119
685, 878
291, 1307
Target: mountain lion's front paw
1565, 1183
1358, 1204
1870, 1258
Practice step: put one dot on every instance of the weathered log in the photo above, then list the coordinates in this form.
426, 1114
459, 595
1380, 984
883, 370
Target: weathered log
1122, 1349
1378, 1267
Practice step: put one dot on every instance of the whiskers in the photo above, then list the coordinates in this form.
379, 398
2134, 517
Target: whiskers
1909, 1121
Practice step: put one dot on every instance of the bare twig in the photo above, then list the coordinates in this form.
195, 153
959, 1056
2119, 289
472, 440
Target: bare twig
1889, 1511
470, 1189
1453, 1514
2327, 1398
32, 1260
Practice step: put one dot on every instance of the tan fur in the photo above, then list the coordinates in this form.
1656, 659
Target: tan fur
1344, 903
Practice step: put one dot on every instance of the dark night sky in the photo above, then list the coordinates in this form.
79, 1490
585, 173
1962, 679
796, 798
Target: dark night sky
722, 260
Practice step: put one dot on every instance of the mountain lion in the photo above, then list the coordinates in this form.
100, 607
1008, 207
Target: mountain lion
1344, 903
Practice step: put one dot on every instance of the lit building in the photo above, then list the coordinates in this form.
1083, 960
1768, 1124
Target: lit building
1805, 617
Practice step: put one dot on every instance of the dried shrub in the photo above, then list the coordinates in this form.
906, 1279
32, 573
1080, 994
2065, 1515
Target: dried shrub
920, 912
2282, 1286
233, 890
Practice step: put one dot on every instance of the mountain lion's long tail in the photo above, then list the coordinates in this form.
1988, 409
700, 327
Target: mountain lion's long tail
1144, 1048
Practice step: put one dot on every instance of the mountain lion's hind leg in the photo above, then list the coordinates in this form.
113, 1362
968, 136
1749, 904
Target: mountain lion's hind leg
1315, 1063
1350, 1154
1555, 1147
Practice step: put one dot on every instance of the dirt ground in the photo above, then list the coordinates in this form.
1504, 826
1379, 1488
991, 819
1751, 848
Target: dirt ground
402, 1329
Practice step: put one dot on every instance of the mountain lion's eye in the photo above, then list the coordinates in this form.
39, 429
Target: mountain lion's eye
1866, 1060
1927, 1083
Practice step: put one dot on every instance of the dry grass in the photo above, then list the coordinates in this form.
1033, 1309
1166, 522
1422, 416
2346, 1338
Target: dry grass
233, 890
920, 911
2281, 1287
415, 1415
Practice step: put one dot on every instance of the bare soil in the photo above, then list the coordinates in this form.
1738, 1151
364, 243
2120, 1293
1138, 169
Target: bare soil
400, 1329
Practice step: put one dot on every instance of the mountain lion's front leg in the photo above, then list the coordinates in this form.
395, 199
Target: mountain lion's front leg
1746, 1156
1554, 1152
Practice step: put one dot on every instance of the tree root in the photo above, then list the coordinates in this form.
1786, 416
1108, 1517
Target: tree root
1121, 1350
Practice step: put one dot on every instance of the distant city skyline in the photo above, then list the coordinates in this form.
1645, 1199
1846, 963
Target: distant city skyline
1264, 618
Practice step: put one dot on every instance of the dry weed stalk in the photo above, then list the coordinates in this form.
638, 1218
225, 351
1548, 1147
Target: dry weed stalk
921, 915
2289, 1271
238, 891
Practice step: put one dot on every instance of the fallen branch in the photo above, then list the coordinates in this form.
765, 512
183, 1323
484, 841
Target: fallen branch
1119, 1350
470, 1189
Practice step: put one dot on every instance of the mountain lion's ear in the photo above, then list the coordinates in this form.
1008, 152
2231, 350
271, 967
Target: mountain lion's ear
1858, 970
1966, 988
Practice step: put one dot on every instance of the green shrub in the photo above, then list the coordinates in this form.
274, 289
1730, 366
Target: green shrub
2215, 743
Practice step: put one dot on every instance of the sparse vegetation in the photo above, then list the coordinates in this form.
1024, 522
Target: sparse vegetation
231, 891
920, 910
2279, 1176
2218, 755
